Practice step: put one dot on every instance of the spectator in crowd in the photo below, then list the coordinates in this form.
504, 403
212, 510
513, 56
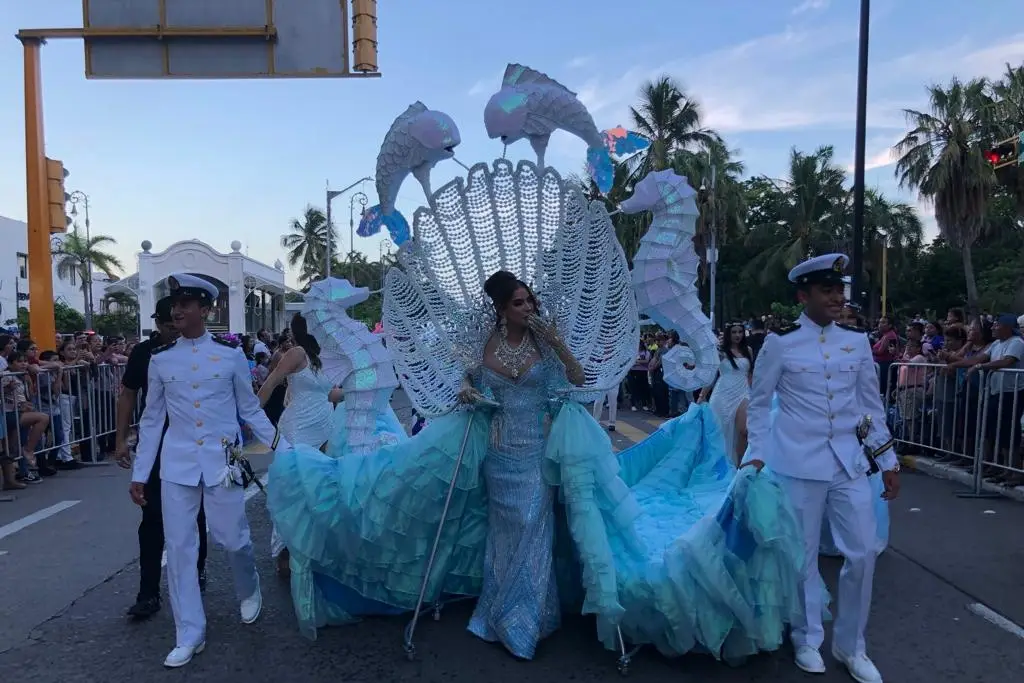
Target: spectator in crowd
885, 351
949, 405
933, 336
639, 384
7, 346
49, 383
1002, 363
25, 424
755, 340
911, 386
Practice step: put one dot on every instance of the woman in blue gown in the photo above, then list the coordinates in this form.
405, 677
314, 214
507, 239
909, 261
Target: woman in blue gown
666, 544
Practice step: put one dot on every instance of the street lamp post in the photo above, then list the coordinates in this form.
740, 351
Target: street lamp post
363, 200
711, 252
75, 198
385, 248
331, 194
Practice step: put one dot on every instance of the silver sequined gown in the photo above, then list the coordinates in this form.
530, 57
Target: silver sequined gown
519, 603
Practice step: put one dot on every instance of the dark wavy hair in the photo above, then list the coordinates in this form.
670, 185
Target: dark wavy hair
304, 339
501, 286
743, 346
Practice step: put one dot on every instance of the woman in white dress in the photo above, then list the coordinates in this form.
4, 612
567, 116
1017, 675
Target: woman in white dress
730, 391
309, 405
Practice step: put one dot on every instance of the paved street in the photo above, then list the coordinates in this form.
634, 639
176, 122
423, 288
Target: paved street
68, 561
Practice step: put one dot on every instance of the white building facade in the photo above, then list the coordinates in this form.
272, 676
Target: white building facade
251, 297
14, 289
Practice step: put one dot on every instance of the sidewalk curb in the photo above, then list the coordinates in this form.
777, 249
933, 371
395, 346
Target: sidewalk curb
948, 472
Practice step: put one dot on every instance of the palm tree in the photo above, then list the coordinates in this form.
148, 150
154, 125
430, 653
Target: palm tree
727, 205
120, 302
891, 228
942, 158
77, 256
307, 243
671, 120
808, 213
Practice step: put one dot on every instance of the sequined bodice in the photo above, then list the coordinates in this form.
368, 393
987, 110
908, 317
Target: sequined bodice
520, 423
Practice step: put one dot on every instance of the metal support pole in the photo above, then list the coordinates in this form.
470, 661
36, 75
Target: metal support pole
857, 257
713, 243
327, 260
40, 264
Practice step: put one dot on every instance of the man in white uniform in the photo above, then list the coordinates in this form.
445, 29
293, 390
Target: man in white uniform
825, 379
202, 386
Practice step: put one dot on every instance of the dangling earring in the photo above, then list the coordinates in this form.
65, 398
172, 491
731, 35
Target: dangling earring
503, 328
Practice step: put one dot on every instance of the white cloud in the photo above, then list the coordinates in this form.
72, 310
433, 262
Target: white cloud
481, 87
810, 6
877, 153
579, 62
797, 78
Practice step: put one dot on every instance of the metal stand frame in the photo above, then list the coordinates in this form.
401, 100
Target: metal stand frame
410, 630
625, 658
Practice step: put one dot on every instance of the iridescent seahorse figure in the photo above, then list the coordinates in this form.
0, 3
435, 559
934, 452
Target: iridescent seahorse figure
355, 359
665, 274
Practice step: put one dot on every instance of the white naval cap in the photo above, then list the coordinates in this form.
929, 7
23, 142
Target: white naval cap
826, 269
185, 286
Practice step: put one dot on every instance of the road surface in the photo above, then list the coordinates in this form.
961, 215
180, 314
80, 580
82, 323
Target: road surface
947, 598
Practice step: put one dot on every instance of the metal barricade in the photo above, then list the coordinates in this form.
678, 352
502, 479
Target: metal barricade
59, 409
952, 415
998, 458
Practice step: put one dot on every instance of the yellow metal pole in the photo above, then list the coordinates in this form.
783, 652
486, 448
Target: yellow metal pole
885, 276
40, 266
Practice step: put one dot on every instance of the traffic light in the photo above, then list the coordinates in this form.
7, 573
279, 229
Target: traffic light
55, 175
1005, 153
364, 36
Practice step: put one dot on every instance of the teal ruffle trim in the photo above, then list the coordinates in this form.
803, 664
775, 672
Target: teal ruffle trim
369, 522
670, 544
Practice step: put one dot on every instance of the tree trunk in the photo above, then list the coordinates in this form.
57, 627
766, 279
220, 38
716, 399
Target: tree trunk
970, 281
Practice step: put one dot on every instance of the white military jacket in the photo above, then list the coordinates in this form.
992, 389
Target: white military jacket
826, 383
203, 387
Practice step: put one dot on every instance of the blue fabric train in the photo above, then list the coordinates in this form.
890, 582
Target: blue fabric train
666, 542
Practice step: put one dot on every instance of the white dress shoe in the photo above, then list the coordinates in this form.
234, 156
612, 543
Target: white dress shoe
182, 655
252, 606
861, 668
808, 659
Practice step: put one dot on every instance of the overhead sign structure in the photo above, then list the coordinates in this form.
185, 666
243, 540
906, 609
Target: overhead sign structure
188, 39
222, 39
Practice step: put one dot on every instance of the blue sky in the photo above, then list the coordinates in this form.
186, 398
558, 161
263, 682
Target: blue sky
225, 160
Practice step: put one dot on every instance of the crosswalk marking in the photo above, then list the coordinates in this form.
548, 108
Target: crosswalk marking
38, 516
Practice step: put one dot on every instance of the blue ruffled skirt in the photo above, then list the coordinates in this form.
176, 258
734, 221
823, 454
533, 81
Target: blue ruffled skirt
665, 542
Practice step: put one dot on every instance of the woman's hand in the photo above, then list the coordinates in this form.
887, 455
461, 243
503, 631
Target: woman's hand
469, 395
545, 331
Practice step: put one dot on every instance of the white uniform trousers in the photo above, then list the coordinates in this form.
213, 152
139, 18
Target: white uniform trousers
613, 406
851, 514
229, 527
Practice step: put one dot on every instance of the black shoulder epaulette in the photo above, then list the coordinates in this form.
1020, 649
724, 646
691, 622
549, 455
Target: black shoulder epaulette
786, 330
225, 342
161, 348
851, 328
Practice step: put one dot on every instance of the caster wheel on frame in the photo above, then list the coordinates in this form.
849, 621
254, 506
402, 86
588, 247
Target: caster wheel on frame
410, 653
